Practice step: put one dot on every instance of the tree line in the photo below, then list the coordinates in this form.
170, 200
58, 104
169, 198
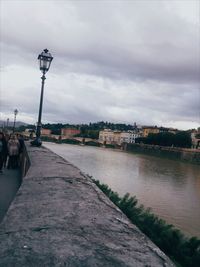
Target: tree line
180, 139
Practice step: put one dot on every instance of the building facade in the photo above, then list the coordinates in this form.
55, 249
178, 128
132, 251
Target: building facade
108, 136
195, 136
45, 132
146, 130
69, 132
129, 137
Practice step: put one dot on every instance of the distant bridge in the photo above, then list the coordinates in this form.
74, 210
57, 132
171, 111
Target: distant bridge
83, 140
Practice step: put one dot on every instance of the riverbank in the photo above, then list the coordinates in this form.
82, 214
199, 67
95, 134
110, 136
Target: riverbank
175, 153
59, 217
183, 250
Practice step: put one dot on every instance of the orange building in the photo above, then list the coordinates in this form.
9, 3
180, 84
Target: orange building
69, 132
150, 130
45, 131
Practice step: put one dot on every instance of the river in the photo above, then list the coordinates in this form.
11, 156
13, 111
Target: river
170, 188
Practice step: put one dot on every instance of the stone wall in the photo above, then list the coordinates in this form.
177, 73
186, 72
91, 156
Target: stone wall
184, 154
61, 218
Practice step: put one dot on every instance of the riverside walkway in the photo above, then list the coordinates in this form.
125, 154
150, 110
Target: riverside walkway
59, 217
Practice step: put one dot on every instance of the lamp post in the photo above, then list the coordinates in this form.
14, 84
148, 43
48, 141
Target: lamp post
7, 123
45, 59
15, 115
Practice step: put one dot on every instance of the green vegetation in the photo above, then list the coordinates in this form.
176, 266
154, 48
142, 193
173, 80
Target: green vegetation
92, 143
110, 146
197, 136
55, 127
48, 139
86, 132
180, 139
182, 250
91, 130
70, 141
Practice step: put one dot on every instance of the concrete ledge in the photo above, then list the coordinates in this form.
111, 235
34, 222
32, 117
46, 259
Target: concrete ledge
60, 218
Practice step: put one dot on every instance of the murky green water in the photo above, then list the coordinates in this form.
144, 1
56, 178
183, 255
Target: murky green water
170, 188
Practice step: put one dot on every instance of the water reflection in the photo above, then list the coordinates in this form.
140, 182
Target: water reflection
170, 188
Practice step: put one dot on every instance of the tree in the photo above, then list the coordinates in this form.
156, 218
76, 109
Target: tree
180, 139
183, 139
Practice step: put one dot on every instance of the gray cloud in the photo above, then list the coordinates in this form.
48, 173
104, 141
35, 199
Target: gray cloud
115, 60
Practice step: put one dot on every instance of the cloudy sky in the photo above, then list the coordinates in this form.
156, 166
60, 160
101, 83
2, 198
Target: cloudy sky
120, 61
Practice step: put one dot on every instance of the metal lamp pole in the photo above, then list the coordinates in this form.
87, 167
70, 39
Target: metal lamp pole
15, 114
39, 123
7, 123
45, 59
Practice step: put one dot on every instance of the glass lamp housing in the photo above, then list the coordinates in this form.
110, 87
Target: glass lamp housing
15, 112
45, 59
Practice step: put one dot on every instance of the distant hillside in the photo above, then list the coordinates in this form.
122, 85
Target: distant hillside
10, 124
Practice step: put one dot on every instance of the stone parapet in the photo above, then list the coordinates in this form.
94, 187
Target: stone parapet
61, 218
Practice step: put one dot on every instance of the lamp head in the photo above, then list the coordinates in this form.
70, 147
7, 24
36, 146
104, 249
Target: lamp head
45, 59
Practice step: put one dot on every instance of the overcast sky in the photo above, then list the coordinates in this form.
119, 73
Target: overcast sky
119, 61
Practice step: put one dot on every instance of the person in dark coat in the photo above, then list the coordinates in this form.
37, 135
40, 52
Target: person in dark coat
21, 142
13, 152
21, 148
3, 150
6, 135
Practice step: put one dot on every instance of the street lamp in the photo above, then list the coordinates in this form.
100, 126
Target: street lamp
45, 59
15, 114
7, 123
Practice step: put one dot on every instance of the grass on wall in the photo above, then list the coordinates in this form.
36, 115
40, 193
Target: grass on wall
182, 250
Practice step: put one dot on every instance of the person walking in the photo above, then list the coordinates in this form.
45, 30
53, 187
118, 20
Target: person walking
6, 135
21, 148
13, 152
3, 151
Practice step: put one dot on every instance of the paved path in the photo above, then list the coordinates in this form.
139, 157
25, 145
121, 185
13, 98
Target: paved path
9, 183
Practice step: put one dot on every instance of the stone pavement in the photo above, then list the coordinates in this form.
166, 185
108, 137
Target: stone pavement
10, 181
61, 218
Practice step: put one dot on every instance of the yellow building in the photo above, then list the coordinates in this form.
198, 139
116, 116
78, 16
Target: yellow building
117, 137
106, 136
150, 130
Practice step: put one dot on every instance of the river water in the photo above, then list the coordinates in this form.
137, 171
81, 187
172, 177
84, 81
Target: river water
170, 188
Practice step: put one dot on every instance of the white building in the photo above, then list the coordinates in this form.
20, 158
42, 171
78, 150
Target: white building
129, 137
108, 136
195, 134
